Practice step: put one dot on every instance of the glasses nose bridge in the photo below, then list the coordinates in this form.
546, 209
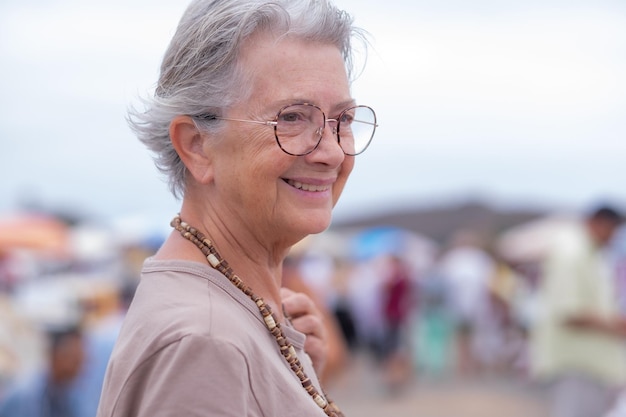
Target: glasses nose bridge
330, 122
333, 124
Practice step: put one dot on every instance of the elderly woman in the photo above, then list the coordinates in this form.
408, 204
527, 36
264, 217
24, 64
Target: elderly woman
254, 124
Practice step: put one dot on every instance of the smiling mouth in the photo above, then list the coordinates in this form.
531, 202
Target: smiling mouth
308, 187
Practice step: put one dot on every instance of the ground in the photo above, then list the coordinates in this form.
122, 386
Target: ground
361, 391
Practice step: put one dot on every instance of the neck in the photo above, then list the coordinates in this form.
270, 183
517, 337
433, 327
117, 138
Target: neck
259, 271
241, 239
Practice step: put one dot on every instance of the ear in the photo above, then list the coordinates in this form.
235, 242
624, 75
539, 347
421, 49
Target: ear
190, 145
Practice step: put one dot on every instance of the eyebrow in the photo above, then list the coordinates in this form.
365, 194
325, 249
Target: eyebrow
339, 107
344, 105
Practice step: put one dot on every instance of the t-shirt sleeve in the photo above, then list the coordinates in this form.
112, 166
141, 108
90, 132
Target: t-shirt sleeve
194, 376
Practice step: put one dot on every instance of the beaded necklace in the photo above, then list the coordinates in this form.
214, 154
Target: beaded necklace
286, 348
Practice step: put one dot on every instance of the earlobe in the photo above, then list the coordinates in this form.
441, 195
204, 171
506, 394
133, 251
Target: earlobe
189, 143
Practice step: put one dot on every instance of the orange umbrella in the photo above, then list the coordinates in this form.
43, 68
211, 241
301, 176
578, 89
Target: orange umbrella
33, 232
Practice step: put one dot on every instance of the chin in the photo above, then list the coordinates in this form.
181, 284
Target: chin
314, 223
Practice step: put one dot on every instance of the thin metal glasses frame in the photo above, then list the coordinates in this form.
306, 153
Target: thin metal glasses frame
336, 129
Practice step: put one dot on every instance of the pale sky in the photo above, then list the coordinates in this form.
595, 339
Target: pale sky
513, 103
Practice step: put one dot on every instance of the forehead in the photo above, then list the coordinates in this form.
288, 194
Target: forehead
287, 67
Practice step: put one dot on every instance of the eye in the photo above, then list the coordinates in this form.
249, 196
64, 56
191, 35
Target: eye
347, 117
292, 116
298, 114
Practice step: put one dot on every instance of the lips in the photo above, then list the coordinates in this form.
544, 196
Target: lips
308, 187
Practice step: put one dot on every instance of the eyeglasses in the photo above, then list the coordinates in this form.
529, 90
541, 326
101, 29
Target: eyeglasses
299, 128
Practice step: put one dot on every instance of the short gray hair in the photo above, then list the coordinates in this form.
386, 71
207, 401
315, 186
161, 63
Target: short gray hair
200, 72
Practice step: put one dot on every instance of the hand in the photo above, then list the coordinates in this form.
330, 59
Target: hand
612, 326
307, 319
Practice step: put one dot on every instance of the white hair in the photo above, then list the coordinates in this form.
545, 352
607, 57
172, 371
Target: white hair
200, 72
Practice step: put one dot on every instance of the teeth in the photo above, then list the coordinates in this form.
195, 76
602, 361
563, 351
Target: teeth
308, 187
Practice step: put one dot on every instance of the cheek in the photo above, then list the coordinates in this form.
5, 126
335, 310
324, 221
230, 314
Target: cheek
261, 159
263, 153
259, 145
344, 173
249, 148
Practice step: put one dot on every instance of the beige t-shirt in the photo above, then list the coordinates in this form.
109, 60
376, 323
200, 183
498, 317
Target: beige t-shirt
192, 344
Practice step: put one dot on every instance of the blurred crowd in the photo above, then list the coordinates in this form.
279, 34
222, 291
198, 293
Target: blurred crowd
416, 308
64, 289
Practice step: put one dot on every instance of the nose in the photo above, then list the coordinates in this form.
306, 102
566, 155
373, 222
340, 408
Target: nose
329, 150
333, 127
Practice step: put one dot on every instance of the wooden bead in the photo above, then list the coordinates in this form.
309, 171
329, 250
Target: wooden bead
269, 321
292, 351
320, 401
213, 260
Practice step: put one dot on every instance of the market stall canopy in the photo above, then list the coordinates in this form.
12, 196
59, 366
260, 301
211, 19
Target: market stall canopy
33, 232
529, 242
377, 241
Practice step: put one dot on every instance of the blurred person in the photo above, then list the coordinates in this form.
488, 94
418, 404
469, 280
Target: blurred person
254, 124
399, 300
9, 361
618, 256
365, 288
49, 393
104, 313
7, 275
433, 327
341, 305
575, 341
509, 294
467, 269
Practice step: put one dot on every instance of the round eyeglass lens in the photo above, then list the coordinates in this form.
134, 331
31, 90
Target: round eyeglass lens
356, 129
298, 128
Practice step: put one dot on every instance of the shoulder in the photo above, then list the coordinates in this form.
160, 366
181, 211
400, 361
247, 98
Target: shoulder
179, 303
183, 334
184, 377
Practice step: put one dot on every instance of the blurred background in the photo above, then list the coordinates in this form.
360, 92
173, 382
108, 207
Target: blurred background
500, 123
